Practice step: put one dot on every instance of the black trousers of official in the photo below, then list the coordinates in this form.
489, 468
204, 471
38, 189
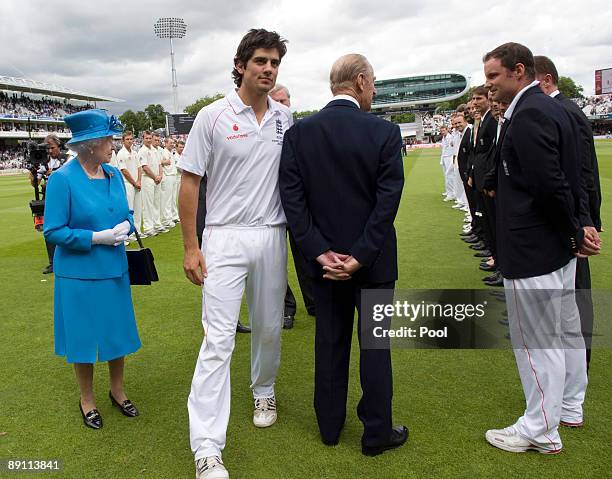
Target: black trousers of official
304, 281
470, 195
584, 301
50, 251
489, 215
335, 302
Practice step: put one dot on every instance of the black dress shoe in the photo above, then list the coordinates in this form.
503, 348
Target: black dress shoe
485, 253
504, 322
399, 435
471, 239
492, 277
92, 419
488, 267
241, 328
480, 246
48, 269
127, 408
330, 442
288, 322
495, 282
311, 312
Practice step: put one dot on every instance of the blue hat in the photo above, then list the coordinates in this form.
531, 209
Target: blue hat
91, 124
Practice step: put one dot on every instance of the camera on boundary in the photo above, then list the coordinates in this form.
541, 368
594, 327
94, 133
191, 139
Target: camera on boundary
36, 161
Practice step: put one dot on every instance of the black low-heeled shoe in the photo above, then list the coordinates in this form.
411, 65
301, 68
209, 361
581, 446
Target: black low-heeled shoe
126, 407
92, 419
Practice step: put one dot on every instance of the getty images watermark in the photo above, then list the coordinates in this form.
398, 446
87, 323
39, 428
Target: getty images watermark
485, 319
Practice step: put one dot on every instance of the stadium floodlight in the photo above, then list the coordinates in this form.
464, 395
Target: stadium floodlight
171, 27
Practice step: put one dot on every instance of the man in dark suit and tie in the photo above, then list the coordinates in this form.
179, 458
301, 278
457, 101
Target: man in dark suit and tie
341, 180
547, 75
539, 206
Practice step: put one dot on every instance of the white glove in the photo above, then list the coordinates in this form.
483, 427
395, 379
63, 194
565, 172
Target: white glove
122, 228
108, 238
105, 237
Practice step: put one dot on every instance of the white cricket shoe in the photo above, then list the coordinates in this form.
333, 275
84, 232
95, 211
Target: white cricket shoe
211, 467
264, 414
510, 440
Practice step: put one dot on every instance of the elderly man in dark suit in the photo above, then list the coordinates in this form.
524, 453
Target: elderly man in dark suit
547, 75
341, 180
539, 205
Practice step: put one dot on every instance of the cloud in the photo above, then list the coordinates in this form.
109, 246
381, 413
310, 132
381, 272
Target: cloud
109, 48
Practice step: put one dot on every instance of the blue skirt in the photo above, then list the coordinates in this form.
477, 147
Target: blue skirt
94, 319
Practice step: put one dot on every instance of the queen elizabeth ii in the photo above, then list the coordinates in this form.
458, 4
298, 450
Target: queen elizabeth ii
87, 218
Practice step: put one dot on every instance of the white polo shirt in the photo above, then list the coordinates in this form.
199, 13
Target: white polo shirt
128, 160
241, 159
171, 168
149, 156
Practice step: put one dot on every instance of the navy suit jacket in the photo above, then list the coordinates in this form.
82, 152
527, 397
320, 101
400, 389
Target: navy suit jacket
341, 179
588, 158
539, 195
485, 144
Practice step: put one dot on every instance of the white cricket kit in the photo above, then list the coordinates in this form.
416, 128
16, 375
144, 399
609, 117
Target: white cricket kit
458, 188
245, 249
113, 160
151, 193
128, 160
168, 187
446, 160
553, 375
177, 186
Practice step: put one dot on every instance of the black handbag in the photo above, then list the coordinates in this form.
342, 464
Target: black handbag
141, 264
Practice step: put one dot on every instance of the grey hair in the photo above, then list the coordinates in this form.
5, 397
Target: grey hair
86, 147
279, 87
346, 69
54, 138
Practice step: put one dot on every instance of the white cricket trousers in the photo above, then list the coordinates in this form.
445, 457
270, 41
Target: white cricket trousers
459, 188
134, 198
177, 187
449, 182
238, 259
167, 191
151, 205
554, 379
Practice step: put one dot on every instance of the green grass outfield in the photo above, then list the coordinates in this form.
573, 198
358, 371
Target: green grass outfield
447, 398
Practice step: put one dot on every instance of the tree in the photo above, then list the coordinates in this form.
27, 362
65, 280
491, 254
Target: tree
194, 108
297, 115
570, 88
135, 121
157, 116
403, 118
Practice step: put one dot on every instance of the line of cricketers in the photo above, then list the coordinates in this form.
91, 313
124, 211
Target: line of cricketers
151, 181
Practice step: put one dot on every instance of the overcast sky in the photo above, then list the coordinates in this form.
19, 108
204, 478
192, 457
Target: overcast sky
109, 48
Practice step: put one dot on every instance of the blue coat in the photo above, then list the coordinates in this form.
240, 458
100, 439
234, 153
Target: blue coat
75, 207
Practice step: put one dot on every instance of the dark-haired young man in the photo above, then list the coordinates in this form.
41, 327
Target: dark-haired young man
237, 142
539, 205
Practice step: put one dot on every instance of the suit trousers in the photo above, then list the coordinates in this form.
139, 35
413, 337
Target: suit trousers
553, 373
151, 206
238, 259
488, 205
134, 198
167, 192
303, 279
335, 303
584, 300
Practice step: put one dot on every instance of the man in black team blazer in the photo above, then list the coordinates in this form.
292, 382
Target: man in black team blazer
547, 75
341, 180
539, 205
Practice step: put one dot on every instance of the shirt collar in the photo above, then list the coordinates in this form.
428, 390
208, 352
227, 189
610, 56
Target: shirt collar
238, 105
346, 97
515, 100
555, 93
